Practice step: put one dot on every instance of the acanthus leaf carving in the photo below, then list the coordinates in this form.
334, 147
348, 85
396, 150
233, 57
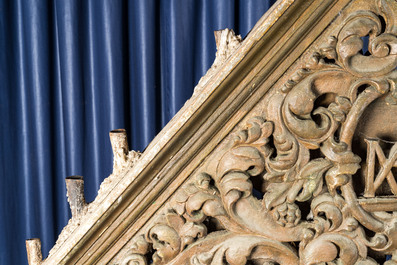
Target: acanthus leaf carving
303, 154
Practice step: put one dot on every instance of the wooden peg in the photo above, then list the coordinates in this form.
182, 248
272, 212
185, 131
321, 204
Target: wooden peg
33, 248
118, 139
75, 193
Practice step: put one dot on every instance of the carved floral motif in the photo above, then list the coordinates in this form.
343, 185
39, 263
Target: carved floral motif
216, 219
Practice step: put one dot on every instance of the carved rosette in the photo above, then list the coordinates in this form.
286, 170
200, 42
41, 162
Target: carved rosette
307, 210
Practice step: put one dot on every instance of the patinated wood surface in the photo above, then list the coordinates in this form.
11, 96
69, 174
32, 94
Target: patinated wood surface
303, 153
286, 154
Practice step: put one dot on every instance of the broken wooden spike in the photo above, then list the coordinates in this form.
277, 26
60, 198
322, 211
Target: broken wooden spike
118, 139
218, 34
75, 193
33, 248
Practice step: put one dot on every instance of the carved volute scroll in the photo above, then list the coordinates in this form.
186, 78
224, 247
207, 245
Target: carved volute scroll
308, 176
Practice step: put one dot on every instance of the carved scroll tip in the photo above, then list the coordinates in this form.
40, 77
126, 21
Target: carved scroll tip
75, 194
33, 249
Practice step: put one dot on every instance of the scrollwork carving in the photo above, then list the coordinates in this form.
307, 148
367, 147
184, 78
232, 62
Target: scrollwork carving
310, 199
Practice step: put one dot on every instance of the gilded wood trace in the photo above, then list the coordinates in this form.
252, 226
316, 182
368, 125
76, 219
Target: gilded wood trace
311, 180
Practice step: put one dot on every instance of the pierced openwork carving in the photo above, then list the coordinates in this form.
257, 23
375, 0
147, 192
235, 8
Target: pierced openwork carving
292, 186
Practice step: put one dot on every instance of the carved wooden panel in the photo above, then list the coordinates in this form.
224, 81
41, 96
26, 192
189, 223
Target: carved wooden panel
286, 154
307, 177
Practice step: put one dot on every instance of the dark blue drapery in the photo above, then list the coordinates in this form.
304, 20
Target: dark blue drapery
71, 71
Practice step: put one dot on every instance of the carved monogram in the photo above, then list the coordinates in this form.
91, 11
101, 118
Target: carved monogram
305, 209
372, 183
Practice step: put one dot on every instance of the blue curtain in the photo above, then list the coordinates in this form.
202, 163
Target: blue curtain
71, 71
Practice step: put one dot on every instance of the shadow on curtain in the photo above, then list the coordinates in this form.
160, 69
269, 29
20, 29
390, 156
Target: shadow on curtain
71, 71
